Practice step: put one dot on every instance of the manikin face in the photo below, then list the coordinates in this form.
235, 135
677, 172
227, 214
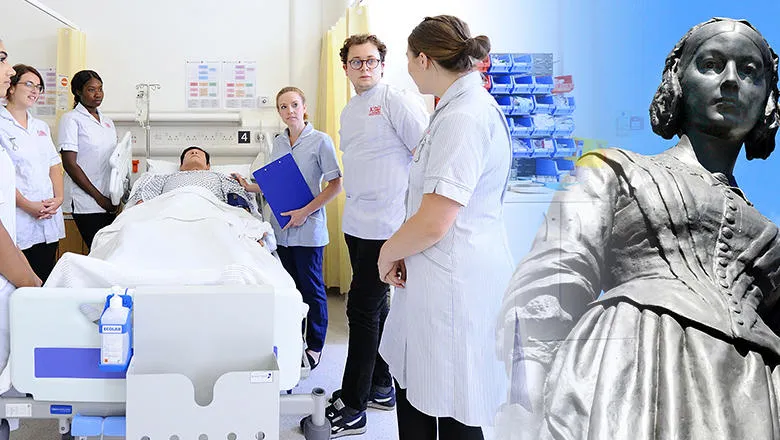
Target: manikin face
724, 87
364, 77
194, 160
26, 91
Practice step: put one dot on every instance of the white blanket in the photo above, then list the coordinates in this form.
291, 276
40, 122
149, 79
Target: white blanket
186, 236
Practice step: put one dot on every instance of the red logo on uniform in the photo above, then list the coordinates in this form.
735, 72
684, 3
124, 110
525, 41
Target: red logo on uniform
41, 133
108, 125
375, 111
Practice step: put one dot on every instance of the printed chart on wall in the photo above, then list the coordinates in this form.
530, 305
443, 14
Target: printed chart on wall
240, 84
203, 79
47, 102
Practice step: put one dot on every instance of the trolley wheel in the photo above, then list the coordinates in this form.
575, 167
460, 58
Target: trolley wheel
5, 430
312, 432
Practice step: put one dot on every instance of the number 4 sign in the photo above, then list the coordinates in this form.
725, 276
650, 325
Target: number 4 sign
243, 137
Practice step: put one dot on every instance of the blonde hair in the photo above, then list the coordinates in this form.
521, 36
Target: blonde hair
294, 90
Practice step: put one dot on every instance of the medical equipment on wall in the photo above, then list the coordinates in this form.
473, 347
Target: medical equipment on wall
142, 103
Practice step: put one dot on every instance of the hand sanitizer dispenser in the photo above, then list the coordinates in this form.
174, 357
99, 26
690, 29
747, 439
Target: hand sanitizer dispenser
115, 330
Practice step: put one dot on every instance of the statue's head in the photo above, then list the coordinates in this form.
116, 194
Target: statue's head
720, 79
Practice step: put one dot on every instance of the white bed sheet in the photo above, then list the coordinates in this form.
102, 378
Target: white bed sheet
186, 236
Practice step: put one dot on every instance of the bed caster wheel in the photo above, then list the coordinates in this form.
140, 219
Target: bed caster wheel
313, 432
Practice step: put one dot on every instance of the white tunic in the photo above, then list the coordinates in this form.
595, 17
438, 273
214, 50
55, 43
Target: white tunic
379, 129
8, 218
439, 337
7, 202
94, 141
33, 154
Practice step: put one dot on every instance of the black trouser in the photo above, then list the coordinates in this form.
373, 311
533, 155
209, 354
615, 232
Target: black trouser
416, 425
367, 307
90, 224
42, 258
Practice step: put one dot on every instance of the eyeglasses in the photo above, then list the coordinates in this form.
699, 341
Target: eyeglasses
32, 85
357, 64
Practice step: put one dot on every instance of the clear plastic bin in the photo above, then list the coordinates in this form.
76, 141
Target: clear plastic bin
522, 105
500, 63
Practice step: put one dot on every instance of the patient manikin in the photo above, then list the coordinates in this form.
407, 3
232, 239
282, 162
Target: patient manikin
195, 170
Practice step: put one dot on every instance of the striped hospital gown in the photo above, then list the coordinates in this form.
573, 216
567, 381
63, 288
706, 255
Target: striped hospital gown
153, 185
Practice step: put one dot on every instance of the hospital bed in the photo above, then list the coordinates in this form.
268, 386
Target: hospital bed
196, 373
211, 360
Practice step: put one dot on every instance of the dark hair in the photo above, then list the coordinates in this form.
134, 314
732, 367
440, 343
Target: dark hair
80, 79
356, 40
447, 40
208, 157
20, 70
667, 106
294, 90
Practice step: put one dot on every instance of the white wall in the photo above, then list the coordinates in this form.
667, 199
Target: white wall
149, 40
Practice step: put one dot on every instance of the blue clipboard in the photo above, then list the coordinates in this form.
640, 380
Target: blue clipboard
283, 186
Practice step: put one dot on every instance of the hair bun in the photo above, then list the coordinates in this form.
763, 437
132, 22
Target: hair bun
478, 47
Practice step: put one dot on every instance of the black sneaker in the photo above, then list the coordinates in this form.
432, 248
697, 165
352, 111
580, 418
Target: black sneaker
342, 424
376, 400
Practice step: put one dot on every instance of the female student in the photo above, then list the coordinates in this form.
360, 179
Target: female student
301, 242
87, 138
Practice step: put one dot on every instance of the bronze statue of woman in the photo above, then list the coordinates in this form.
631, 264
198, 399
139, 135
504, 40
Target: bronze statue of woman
648, 302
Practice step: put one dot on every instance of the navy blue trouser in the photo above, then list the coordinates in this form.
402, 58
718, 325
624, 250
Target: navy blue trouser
304, 264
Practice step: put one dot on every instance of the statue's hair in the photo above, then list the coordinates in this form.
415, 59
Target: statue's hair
666, 108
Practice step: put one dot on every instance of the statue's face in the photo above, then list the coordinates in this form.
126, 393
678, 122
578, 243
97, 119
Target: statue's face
723, 87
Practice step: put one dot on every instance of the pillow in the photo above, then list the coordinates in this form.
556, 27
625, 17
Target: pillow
158, 166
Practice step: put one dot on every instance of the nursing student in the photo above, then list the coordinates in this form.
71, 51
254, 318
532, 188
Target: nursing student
86, 139
301, 242
14, 268
38, 172
450, 260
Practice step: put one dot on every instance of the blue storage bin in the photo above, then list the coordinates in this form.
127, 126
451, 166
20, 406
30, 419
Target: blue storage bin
564, 105
543, 147
544, 125
521, 63
523, 84
522, 147
500, 63
544, 104
522, 105
501, 85
565, 148
564, 165
543, 85
547, 170
511, 123
505, 102
564, 126
523, 126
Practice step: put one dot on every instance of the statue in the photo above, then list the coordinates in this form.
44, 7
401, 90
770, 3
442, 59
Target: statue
647, 307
